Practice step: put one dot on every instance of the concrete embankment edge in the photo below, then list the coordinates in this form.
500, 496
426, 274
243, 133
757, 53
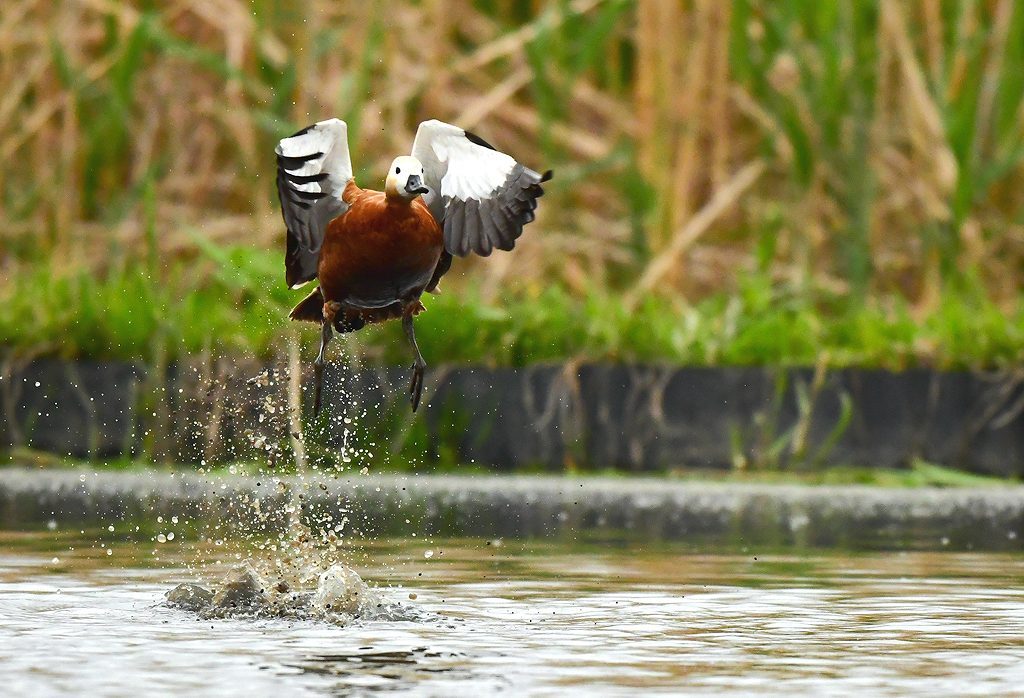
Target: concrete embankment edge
639, 510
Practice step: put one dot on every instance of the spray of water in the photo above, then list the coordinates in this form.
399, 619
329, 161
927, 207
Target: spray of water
291, 560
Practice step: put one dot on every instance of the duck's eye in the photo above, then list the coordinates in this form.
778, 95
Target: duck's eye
398, 170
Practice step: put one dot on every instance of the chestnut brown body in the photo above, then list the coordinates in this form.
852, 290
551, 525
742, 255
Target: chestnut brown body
375, 253
380, 251
377, 259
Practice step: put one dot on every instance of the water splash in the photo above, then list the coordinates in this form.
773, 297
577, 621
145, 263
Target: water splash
336, 595
296, 566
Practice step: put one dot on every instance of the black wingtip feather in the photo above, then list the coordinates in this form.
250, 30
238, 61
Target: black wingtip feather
477, 140
294, 162
501, 217
307, 179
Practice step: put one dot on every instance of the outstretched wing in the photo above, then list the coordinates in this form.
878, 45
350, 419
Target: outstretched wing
313, 167
482, 198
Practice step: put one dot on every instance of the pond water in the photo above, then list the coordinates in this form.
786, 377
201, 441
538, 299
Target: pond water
519, 617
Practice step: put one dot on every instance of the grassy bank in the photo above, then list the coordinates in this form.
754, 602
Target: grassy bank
233, 301
874, 150
742, 182
918, 474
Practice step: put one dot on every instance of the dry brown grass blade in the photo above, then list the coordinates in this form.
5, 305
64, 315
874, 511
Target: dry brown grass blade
718, 98
662, 94
691, 104
583, 145
750, 108
479, 109
514, 41
925, 125
933, 30
699, 224
32, 124
14, 91
966, 28
991, 75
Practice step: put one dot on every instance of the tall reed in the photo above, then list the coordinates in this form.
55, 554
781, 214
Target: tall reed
875, 149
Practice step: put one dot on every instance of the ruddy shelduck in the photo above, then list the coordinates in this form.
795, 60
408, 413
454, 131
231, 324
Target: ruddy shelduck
375, 253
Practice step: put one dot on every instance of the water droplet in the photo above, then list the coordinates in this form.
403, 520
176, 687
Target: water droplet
161, 538
51, 525
170, 536
428, 554
110, 551
110, 528
55, 560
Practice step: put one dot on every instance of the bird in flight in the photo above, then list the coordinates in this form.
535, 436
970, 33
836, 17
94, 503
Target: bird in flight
374, 253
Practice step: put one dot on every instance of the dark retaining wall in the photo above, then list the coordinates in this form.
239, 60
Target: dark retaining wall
636, 418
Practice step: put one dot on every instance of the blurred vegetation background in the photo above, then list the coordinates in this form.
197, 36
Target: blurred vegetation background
737, 181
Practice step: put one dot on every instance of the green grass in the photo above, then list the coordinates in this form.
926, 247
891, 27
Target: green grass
235, 303
919, 474
128, 314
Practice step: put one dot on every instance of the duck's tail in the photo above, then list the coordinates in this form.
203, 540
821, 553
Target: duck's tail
310, 308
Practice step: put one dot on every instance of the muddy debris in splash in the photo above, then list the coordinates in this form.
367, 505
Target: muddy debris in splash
242, 588
339, 596
190, 597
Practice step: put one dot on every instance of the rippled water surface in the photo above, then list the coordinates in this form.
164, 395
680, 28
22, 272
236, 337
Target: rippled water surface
520, 617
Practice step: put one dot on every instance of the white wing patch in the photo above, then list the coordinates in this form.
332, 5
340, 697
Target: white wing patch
481, 197
313, 168
330, 139
459, 168
474, 172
